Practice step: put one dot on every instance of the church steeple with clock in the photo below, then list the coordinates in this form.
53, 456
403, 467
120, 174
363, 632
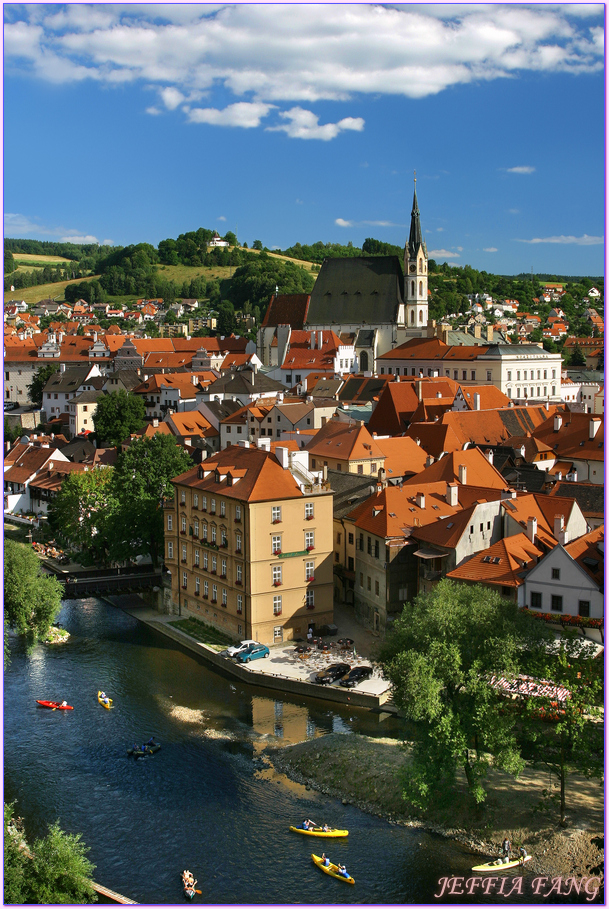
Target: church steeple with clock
415, 271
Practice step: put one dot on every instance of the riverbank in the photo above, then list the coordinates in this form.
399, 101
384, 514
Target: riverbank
365, 772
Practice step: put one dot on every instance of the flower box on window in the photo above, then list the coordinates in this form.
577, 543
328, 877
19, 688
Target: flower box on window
204, 509
312, 578
224, 544
310, 605
205, 596
182, 532
197, 594
238, 550
276, 551
277, 521
239, 583
309, 517
213, 571
223, 576
214, 600
237, 520
184, 586
184, 561
224, 605
276, 583
310, 548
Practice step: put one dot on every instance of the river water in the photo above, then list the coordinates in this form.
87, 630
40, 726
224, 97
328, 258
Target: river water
205, 801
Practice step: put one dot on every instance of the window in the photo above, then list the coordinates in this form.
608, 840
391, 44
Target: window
277, 605
197, 586
170, 550
205, 560
535, 599
224, 596
373, 467
183, 553
369, 546
223, 539
556, 603
524, 375
309, 512
223, 568
481, 527
351, 539
310, 598
276, 544
184, 580
182, 494
369, 582
195, 501
361, 579
237, 512
583, 609
205, 589
360, 468
545, 374
276, 575
183, 525
518, 375
212, 506
309, 540
238, 542
239, 574
309, 571
556, 574
488, 525
214, 564
339, 466
197, 556
213, 533
276, 514
214, 593
239, 606
350, 564
376, 549
169, 522
376, 588
204, 503
509, 375
196, 532
222, 509
339, 537
553, 373
228, 428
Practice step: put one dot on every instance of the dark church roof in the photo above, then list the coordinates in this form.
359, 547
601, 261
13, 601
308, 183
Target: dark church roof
359, 289
415, 240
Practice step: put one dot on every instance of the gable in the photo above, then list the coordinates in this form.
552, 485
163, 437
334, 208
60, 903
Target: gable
361, 289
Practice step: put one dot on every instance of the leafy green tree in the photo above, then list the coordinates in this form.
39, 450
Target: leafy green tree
257, 244
117, 416
142, 476
9, 262
39, 380
55, 870
81, 510
577, 357
11, 432
444, 649
226, 323
230, 237
573, 738
31, 599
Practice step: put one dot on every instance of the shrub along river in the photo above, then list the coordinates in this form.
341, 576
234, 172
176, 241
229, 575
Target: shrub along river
205, 801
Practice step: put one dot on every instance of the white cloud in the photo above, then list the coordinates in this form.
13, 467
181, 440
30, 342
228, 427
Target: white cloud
221, 218
440, 229
342, 223
75, 238
585, 240
514, 211
239, 114
154, 111
304, 124
442, 254
18, 225
298, 53
490, 249
523, 169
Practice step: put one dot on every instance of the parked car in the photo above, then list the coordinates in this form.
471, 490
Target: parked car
357, 674
254, 653
235, 649
332, 673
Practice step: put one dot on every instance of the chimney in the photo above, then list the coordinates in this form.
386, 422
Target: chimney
429, 460
62, 367
420, 391
476, 401
438, 394
243, 443
324, 473
420, 500
155, 423
320, 339
563, 537
382, 475
508, 493
282, 455
490, 456
463, 474
531, 529
264, 444
418, 441
594, 427
397, 377
188, 443
478, 331
559, 524
452, 494
489, 333
312, 340
557, 422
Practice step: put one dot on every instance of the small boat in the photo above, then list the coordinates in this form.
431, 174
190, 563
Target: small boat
500, 865
332, 870
107, 703
144, 750
319, 831
54, 705
188, 883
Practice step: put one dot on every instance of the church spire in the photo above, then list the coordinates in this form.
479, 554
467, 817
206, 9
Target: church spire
415, 239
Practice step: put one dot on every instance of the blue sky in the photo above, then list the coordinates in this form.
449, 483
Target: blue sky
302, 122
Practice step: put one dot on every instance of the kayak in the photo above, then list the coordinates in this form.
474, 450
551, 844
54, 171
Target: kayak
319, 831
332, 870
149, 749
54, 705
188, 887
102, 702
499, 865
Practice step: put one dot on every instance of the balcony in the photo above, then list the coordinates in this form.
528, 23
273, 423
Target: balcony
429, 574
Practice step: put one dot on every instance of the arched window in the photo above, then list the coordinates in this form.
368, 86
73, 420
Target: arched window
412, 316
420, 264
420, 288
420, 315
363, 361
412, 288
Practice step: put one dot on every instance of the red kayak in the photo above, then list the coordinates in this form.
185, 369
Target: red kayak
54, 705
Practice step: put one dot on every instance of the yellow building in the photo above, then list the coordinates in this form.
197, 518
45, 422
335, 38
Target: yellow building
249, 548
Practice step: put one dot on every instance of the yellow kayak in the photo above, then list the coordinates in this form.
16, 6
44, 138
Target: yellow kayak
500, 865
107, 703
332, 870
319, 831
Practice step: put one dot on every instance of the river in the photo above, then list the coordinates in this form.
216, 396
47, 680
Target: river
205, 800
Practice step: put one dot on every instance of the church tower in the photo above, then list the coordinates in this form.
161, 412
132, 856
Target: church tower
415, 271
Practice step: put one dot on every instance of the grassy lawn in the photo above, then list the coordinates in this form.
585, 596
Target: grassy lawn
18, 532
43, 291
204, 633
36, 261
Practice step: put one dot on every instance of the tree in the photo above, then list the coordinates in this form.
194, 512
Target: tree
226, 323
11, 432
118, 415
142, 479
39, 380
445, 647
55, 870
257, 244
31, 598
573, 739
81, 510
9, 262
577, 357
